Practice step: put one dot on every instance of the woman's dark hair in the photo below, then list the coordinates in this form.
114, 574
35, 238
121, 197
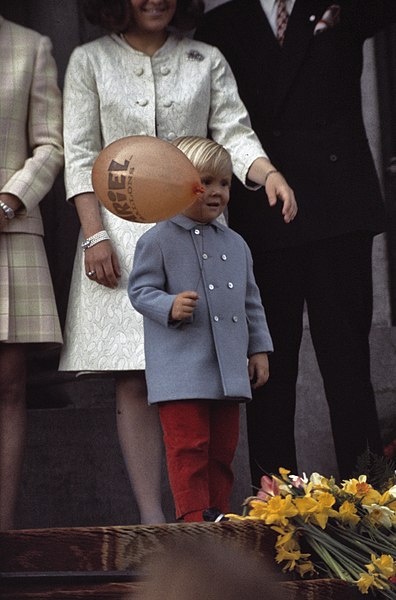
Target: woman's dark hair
115, 15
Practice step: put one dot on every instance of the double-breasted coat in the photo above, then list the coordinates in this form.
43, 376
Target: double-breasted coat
206, 355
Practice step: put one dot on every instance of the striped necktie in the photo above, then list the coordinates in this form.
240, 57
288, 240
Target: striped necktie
282, 16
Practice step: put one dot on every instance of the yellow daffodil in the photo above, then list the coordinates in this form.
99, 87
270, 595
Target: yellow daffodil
284, 473
347, 514
365, 582
279, 510
305, 568
385, 565
357, 487
319, 482
386, 499
291, 558
258, 509
316, 511
285, 536
380, 515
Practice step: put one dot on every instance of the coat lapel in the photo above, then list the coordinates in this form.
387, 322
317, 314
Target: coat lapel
299, 37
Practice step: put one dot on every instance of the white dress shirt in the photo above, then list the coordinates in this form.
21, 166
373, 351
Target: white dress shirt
269, 7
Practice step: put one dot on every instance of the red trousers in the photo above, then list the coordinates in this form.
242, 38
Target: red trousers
200, 439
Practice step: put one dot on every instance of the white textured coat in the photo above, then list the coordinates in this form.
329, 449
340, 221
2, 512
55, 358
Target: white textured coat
206, 355
113, 91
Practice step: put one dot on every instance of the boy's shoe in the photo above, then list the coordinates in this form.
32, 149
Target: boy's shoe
214, 515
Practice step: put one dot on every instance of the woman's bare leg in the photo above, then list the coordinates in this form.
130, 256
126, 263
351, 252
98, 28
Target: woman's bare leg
12, 427
140, 437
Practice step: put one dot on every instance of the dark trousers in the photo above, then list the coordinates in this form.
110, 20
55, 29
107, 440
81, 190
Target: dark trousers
334, 278
200, 438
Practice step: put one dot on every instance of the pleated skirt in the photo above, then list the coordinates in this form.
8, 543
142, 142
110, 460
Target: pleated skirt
28, 312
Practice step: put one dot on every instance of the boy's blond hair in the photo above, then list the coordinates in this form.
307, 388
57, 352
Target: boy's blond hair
205, 155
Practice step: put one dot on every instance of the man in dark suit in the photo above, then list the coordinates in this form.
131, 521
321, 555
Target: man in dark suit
304, 99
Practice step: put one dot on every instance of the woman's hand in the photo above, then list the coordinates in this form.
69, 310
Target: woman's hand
264, 173
101, 261
101, 264
276, 187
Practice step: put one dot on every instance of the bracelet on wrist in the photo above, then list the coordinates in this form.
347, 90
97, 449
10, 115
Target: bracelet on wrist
268, 174
94, 239
7, 210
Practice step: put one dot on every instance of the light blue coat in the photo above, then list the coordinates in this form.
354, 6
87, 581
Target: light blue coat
206, 356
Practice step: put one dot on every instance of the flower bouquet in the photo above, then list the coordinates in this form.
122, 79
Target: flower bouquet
345, 531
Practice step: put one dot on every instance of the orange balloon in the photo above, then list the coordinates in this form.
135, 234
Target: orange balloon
145, 179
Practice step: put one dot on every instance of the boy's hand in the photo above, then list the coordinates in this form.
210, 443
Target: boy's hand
184, 305
258, 369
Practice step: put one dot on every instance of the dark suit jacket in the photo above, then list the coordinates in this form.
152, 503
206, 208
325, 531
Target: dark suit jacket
305, 104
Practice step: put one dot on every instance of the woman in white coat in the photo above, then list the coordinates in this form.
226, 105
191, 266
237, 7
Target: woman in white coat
140, 80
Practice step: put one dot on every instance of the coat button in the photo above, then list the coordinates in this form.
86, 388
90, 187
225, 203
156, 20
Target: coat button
277, 133
204, 256
230, 285
168, 103
197, 231
333, 157
224, 257
211, 286
165, 70
235, 319
312, 18
139, 71
143, 102
216, 318
171, 136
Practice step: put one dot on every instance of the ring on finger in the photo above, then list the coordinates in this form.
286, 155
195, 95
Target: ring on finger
91, 273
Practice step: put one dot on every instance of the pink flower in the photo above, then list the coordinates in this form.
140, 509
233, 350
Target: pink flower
269, 488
